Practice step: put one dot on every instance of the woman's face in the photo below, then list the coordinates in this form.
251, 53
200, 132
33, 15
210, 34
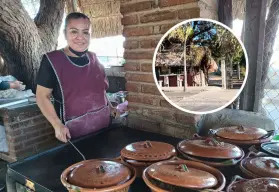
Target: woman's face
78, 33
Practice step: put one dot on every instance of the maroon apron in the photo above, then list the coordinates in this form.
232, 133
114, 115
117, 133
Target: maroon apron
84, 105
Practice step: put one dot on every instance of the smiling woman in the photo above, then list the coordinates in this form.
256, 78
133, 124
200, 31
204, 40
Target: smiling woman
78, 83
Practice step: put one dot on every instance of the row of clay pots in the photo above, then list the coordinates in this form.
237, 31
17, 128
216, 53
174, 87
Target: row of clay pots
157, 163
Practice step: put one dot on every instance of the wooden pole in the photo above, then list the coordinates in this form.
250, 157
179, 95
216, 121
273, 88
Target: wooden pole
224, 74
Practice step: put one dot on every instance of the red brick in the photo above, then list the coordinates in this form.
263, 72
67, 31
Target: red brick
168, 3
150, 89
133, 87
134, 108
158, 16
35, 140
131, 66
47, 144
164, 28
140, 77
149, 43
16, 147
34, 128
14, 133
167, 130
30, 114
131, 44
139, 122
47, 131
183, 133
186, 118
16, 139
165, 103
135, 7
189, 13
146, 67
144, 99
139, 55
158, 113
138, 31
130, 20
24, 152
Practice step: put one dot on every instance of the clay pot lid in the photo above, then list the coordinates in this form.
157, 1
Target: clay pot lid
256, 185
241, 133
210, 148
271, 147
148, 151
99, 174
263, 166
178, 174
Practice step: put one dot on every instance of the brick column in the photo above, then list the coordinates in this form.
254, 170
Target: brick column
145, 22
27, 132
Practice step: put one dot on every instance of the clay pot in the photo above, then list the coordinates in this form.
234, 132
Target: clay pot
183, 175
240, 184
98, 175
256, 166
210, 151
144, 153
242, 136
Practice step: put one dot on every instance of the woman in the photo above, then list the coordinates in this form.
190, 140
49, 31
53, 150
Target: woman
78, 83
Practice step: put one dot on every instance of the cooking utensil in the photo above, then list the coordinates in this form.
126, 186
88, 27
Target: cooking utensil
77, 149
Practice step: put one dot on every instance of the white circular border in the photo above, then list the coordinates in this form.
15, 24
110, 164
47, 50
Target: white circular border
196, 112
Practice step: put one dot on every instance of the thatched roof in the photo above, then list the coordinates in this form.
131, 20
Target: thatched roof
197, 55
105, 16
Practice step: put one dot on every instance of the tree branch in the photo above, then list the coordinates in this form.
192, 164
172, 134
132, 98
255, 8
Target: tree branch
45, 19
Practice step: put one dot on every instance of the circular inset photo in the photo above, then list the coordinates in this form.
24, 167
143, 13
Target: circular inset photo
200, 66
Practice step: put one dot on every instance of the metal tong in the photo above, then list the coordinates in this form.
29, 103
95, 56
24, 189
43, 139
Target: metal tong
77, 149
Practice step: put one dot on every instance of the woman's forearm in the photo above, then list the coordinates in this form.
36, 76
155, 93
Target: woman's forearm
48, 111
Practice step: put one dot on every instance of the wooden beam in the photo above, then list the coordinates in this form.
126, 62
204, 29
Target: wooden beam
254, 28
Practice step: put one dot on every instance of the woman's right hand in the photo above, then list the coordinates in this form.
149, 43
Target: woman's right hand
62, 133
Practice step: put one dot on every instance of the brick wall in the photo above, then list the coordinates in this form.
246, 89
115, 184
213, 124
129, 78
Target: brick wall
27, 132
145, 22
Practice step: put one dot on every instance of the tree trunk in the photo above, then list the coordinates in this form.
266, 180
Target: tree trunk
24, 41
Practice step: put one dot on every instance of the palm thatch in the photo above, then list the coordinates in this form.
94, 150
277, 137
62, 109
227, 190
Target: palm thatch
105, 16
194, 58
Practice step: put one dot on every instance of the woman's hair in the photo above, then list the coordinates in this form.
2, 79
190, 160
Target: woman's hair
74, 15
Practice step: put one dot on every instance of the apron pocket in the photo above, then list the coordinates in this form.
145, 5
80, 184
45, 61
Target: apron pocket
89, 122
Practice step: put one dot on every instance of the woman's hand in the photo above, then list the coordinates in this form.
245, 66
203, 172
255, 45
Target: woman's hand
62, 133
16, 85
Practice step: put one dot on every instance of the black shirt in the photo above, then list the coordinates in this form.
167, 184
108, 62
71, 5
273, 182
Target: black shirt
47, 78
